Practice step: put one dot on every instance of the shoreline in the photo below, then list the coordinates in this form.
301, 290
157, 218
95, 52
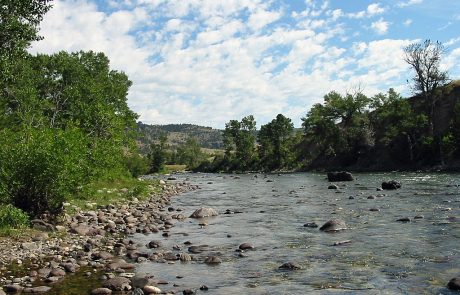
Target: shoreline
93, 241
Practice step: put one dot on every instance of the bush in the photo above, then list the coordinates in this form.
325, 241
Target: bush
40, 168
12, 217
136, 164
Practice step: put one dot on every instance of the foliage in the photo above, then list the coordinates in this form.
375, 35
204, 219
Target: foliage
42, 167
275, 150
12, 217
339, 126
239, 143
136, 164
190, 154
19, 25
157, 155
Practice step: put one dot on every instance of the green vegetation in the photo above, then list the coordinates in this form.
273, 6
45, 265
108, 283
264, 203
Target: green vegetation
12, 217
64, 120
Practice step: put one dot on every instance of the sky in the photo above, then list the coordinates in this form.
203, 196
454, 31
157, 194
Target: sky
206, 62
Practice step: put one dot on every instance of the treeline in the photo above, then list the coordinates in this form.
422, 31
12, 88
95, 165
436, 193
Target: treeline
353, 131
64, 118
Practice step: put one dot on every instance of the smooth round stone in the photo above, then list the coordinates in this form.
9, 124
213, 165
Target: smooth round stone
151, 290
101, 291
246, 246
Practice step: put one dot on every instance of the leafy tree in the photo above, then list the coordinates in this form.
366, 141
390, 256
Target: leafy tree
190, 153
396, 125
339, 127
239, 143
19, 21
274, 143
157, 155
425, 59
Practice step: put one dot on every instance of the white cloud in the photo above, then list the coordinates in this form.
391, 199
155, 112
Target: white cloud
372, 10
408, 22
409, 3
261, 18
209, 61
380, 26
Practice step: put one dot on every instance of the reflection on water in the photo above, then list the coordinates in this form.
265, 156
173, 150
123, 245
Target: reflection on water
384, 256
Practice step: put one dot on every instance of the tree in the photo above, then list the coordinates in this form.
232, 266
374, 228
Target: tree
190, 153
157, 155
19, 22
425, 59
239, 143
397, 127
338, 127
274, 143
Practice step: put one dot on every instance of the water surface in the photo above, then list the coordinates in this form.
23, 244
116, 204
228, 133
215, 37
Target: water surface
384, 256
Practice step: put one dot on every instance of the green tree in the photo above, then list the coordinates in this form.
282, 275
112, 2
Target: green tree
396, 126
338, 127
239, 143
190, 153
425, 60
275, 150
158, 155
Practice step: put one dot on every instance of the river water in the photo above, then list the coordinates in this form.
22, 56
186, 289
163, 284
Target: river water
384, 256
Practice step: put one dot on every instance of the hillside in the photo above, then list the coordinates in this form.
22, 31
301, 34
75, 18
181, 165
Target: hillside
178, 134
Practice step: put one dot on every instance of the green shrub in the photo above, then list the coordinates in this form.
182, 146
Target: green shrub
136, 164
12, 217
40, 168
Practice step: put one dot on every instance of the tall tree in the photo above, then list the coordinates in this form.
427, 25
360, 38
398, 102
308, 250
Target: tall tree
425, 59
239, 142
274, 143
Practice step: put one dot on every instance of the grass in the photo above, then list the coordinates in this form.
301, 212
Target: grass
101, 193
174, 168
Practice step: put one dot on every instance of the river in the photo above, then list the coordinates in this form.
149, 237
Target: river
384, 256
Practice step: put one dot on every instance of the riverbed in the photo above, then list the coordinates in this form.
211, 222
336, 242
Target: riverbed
380, 256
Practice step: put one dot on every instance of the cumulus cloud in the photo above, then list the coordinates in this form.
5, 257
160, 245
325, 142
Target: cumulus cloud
380, 26
209, 61
409, 3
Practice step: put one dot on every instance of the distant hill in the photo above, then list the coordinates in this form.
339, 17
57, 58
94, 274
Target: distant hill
178, 134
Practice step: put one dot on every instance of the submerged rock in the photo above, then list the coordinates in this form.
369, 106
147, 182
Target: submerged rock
332, 186
454, 284
212, 260
391, 185
204, 212
289, 266
246, 246
118, 284
339, 176
334, 225
310, 224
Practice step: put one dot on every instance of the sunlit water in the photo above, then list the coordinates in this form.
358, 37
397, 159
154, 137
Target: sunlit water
384, 256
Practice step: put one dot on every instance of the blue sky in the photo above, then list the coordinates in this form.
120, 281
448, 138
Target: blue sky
209, 61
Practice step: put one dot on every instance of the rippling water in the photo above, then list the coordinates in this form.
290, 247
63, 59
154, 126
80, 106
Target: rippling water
384, 256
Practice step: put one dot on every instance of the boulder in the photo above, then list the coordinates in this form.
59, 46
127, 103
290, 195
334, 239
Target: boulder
212, 260
391, 185
339, 176
204, 212
289, 266
151, 290
118, 284
332, 186
246, 246
333, 225
454, 284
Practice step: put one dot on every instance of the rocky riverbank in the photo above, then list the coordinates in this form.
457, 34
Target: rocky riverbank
90, 241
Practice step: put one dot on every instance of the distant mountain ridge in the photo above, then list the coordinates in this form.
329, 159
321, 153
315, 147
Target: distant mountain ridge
178, 134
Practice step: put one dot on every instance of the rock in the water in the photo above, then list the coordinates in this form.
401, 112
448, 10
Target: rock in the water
101, 291
310, 224
204, 212
334, 225
403, 219
289, 266
212, 260
151, 290
246, 246
340, 243
391, 185
154, 244
118, 284
454, 284
333, 186
339, 176
13, 288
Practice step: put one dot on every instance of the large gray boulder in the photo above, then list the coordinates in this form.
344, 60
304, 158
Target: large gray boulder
204, 212
391, 185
